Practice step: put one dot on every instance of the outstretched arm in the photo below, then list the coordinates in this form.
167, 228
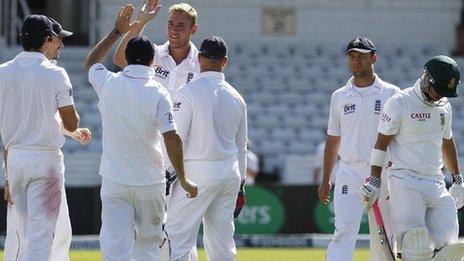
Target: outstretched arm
148, 12
121, 26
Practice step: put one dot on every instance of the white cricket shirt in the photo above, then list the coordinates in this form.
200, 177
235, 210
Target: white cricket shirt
135, 111
170, 74
419, 131
211, 118
355, 118
31, 91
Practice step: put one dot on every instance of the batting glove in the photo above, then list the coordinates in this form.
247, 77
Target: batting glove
457, 191
170, 178
241, 200
370, 191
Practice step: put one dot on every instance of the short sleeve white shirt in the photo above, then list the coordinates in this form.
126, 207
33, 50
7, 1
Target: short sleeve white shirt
354, 117
31, 91
172, 75
135, 111
212, 120
419, 131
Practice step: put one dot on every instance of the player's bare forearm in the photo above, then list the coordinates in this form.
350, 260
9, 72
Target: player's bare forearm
100, 50
119, 57
148, 12
381, 144
173, 145
332, 145
450, 156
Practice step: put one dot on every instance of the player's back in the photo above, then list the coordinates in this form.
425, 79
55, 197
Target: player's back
131, 136
30, 90
218, 114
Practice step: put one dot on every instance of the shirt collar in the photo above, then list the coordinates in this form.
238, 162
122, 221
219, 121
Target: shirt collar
139, 71
376, 87
192, 55
36, 55
212, 76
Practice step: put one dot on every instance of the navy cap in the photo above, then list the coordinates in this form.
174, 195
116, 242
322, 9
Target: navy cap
213, 47
140, 49
361, 44
58, 30
37, 25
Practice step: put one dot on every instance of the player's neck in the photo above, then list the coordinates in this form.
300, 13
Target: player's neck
179, 54
364, 81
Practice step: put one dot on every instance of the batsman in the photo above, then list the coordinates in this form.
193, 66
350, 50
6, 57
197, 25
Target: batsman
415, 127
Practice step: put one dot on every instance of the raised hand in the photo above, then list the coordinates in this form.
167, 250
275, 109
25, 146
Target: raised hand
123, 20
149, 11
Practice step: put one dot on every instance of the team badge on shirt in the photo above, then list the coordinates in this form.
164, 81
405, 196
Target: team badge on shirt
377, 106
189, 77
349, 108
442, 119
176, 106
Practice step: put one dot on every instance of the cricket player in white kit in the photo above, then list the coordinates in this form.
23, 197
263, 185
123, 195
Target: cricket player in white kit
32, 110
354, 115
213, 125
136, 110
15, 240
175, 62
416, 128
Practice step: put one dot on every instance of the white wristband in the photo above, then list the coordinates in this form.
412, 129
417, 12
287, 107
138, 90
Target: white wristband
378, 157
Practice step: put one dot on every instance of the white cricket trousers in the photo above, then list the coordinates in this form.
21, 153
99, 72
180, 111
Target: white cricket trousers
132, 217
218, 185
421, 202
42, 230
16, 234
348, 208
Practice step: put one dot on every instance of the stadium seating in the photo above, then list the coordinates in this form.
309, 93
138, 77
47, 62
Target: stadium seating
287, 88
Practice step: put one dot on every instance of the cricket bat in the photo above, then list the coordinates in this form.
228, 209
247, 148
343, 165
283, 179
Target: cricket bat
384, 242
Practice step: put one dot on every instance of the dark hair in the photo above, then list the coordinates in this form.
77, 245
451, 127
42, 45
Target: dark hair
140, 50
32, 42
135, 59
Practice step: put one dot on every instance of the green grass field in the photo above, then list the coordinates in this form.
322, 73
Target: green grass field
246, 254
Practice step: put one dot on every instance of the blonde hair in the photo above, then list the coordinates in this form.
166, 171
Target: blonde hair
185, 8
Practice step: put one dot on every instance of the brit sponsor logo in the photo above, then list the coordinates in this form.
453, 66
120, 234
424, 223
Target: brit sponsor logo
170, 118
377, 106
385, 117
349, 108
70, 92
421, 116
161, 72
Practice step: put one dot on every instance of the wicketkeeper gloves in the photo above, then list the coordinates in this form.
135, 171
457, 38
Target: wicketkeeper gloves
241, 200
